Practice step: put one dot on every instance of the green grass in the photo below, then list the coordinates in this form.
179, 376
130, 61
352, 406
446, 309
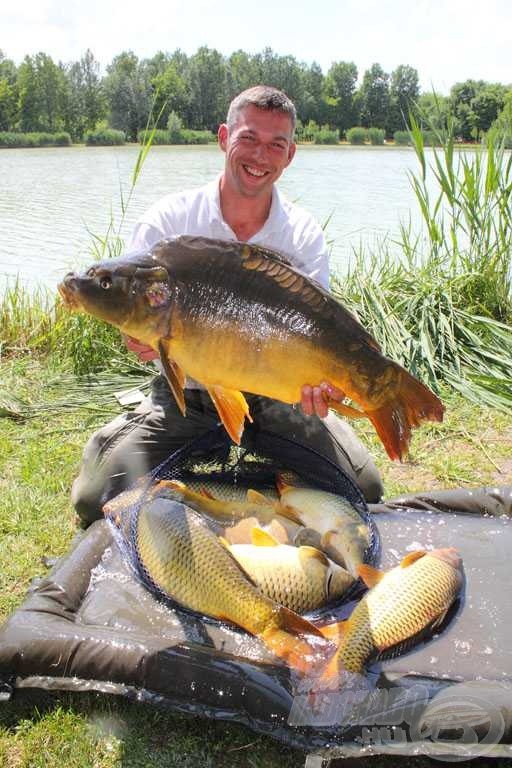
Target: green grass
39, 457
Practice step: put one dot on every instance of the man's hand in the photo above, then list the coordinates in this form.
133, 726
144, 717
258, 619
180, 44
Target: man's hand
143, 351
314, 399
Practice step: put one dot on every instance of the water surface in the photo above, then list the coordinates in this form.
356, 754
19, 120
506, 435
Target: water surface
53, 200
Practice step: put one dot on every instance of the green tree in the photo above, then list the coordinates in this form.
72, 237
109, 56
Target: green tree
128, 89
374, 96
241, 73
404, 92
313, 105
43, 94
87, 102
487, 105
339, 90
207, 80
461, 106
8, 94
170, 94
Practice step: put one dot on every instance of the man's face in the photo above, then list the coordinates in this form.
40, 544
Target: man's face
258, 148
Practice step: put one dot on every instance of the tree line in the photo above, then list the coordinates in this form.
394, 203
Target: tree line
40, 95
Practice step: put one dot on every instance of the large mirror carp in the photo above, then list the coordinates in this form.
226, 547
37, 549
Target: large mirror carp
239, 318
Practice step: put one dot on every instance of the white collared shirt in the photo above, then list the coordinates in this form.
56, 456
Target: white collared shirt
289, 229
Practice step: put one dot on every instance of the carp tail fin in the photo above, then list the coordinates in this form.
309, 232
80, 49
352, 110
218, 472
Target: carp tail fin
412, 404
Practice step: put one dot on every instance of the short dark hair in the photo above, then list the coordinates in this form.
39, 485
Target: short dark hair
263, 97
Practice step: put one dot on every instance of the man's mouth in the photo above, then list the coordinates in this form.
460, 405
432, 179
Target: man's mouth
254, 171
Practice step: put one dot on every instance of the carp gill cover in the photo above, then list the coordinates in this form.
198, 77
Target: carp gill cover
238, 318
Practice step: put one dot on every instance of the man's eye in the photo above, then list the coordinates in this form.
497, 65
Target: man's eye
105, 283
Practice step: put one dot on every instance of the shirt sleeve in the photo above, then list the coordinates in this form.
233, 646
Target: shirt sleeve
144, 236
313, 254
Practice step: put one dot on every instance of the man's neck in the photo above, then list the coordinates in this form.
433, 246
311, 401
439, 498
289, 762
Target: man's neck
245, 215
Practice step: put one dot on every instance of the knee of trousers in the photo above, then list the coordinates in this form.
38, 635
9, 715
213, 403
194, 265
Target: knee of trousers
102, 474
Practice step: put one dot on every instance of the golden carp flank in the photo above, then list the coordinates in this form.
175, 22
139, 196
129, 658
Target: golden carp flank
240, 319
300, 578
403, 602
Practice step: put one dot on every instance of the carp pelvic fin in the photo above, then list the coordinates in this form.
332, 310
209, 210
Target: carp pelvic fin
174, 376
232, 408
370, 576
261, 538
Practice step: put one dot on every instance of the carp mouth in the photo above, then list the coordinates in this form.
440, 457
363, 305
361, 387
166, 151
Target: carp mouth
68, 292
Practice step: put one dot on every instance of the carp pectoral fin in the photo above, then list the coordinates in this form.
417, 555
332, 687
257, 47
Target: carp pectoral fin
255, 497
412, 557
232, 408
346, 410
206, 493
370, 576
174, 376
261, 538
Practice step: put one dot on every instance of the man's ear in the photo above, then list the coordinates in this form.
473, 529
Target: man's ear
291, 152
222, 136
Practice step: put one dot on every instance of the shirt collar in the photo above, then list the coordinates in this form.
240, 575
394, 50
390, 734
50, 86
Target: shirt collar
275, 216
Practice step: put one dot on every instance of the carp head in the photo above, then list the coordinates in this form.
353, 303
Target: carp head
133, 296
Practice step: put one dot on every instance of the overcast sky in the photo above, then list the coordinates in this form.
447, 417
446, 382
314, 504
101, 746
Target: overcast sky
447, 41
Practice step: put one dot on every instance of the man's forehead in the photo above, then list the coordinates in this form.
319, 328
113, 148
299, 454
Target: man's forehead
273, 121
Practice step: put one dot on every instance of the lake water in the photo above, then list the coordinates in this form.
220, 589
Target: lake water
53, 200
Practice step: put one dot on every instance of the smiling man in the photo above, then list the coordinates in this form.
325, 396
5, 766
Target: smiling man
243, 204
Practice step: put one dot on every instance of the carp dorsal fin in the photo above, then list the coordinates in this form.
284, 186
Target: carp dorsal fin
371, 576
279, 269
261, 538
174, 376
412, 557
256, 497
281, 484
232, 408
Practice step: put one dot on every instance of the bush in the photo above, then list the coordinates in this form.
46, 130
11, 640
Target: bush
326, 135
106, 137
160, 137
357, 135
430, 139
402, 138
11, 140
174, 126
197, 137
376, 136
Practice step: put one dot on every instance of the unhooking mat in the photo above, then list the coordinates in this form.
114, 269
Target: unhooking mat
90, 625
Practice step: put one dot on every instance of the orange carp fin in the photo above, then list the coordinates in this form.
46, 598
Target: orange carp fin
255, 497
412, 557
291, 514
174, 376
232, 408
371, 576
335, 632
206, 493
412, 404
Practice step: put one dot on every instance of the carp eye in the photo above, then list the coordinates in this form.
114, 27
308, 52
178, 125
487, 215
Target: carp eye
105, 283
